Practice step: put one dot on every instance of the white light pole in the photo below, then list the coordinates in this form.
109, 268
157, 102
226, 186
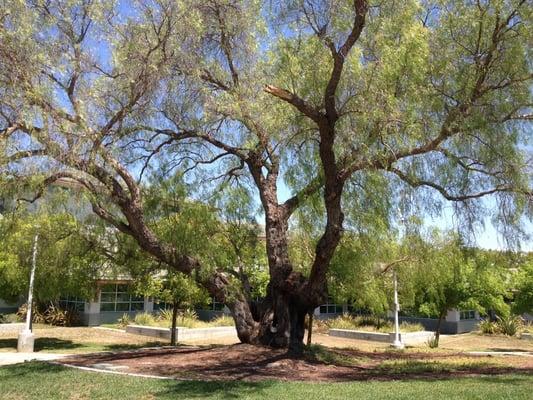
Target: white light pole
26, 339
397, 343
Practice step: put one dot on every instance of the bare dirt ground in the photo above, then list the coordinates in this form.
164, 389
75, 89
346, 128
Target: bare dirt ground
463, 342
252, 363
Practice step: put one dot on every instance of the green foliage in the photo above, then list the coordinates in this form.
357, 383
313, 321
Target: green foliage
10, 318
488, 327
37, 316
369, 323
451, 276
55, 315
433, 342
433, 95
223, 320
50, 314
186, 318
523, 289
144, 319
124, 321
66, 259
164, 315
509, 325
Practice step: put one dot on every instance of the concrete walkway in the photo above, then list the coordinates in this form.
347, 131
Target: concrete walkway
501, 353
15, 358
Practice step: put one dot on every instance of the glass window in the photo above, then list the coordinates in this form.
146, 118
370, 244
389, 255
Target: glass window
161, 305
72, 303
108, 298
107, 307
117, 298
137, 306
469, 314
214, 305
331, 308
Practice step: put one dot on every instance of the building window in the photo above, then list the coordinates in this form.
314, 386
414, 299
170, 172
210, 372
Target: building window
117, 298
72, 303
470, 314
161, 305
214, 305
331, 308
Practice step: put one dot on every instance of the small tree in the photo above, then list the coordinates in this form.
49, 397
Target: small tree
451, 276
67, 262
174, 288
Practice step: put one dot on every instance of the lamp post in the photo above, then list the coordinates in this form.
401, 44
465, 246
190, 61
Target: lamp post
397, 343
26, 339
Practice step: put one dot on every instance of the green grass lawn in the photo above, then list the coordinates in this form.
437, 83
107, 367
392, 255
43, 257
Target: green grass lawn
37, 380
55, 345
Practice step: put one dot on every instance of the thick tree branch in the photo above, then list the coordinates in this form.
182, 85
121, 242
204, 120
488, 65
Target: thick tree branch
300, 104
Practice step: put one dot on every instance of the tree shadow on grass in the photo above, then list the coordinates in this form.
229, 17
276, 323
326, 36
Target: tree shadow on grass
39, 368
214, 389
61, 345
45, 343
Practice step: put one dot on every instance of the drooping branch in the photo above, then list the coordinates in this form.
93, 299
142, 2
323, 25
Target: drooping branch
417, 182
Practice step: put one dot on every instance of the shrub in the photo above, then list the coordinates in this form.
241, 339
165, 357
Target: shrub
488, 327
145, 319
52, 314
223, 320
55, 316
509, 325
189, 319
3, 319
189, 313
11, 318
124, 320
37, 316
370, 323
165, 315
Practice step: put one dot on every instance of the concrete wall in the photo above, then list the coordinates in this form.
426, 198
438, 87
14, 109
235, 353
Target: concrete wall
182, 333
447, 327
408, 338
12, 328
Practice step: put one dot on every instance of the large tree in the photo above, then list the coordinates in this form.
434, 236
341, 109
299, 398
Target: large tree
346, 101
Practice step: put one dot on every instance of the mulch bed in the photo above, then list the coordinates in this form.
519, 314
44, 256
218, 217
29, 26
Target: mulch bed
255, 363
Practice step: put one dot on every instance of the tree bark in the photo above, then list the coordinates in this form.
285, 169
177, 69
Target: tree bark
310, 329
175, 306
439, 326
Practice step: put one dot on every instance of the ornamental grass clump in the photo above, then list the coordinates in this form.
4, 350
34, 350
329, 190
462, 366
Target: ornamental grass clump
145, 319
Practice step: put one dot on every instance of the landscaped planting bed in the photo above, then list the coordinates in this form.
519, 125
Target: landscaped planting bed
408, 338
182, 333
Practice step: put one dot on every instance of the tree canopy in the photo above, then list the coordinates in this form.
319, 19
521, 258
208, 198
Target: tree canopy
348, 104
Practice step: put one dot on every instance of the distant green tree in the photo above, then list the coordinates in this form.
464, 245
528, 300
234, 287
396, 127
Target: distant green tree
523, 286
67, 263
173, 288
451, 276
